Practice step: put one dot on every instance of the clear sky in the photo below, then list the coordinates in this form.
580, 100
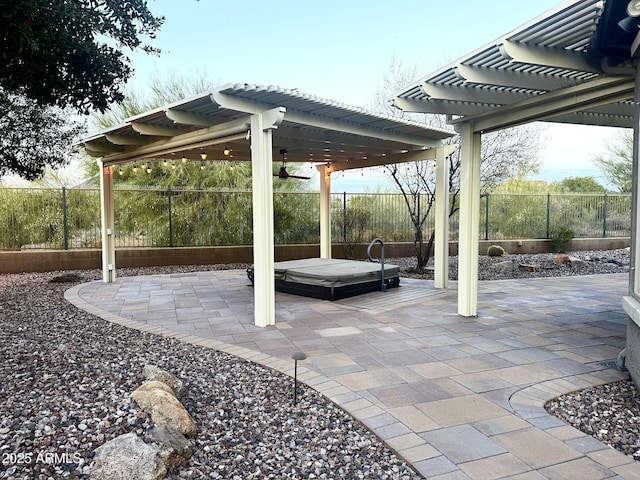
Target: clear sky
340, 49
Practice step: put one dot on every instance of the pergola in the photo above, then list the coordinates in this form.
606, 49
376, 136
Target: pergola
575, 64
244, 122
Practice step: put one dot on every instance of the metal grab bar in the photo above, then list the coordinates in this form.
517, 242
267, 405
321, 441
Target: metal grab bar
383, 288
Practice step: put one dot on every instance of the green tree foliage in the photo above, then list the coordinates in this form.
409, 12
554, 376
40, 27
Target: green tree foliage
32, 136
522, 186
578, 185
517, 209
66, 53
58, 53
617, 164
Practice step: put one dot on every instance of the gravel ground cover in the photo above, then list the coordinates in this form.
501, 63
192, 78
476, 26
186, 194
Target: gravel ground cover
66, 376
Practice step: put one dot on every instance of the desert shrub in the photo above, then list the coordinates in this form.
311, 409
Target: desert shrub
559, 237
495, 251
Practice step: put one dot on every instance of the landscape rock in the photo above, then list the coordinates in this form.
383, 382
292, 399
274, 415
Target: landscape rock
127, 457
165, 409
506, 265
152, 372
528, 268
156, 384
575, 260
561, 259
176, 449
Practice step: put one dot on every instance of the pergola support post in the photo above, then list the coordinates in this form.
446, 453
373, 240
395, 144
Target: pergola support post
107, 223
262, 125
469, 220
325, 211
441, 249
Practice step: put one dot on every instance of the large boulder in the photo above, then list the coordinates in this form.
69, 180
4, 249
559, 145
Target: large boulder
127, 457
175, 448
165, 409
151, 372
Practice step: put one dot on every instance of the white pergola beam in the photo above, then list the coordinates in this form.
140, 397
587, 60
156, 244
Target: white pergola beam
127, 139
441, 107
549, 57
188, 118
593, 94
511, 78
154, 130
464, 94
184, 141
390, 159
244, 105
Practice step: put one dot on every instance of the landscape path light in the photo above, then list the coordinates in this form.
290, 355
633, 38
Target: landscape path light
296, 356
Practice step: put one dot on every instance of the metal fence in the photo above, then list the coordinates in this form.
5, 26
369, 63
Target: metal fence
70, 218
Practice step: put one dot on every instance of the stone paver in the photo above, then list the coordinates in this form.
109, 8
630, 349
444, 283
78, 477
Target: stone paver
459, 398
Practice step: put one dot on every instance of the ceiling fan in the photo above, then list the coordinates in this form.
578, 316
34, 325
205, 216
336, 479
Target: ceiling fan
283, 174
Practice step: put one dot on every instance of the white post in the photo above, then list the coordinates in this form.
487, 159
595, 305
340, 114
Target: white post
441, 249
469, 221
107, 223
262, 187
325, 211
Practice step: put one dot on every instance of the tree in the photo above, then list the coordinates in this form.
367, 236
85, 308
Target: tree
617, 164
65, 53
58, 53
505, 154
578, 185
32, 137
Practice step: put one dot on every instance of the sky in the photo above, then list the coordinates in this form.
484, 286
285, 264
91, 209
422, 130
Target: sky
340, 50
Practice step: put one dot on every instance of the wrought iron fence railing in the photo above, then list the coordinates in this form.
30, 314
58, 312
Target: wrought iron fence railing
69, 218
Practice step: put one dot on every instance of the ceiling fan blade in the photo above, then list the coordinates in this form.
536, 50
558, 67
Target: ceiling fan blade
299, 177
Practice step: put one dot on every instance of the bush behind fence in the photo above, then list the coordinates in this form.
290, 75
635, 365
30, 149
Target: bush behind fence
70, 218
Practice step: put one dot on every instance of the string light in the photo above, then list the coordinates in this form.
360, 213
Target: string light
165, 163
135, 168
184, 159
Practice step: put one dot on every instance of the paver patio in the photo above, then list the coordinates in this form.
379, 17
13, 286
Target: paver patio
457, 397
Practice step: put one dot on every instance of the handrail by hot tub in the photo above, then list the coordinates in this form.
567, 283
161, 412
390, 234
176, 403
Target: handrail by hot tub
380, 260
